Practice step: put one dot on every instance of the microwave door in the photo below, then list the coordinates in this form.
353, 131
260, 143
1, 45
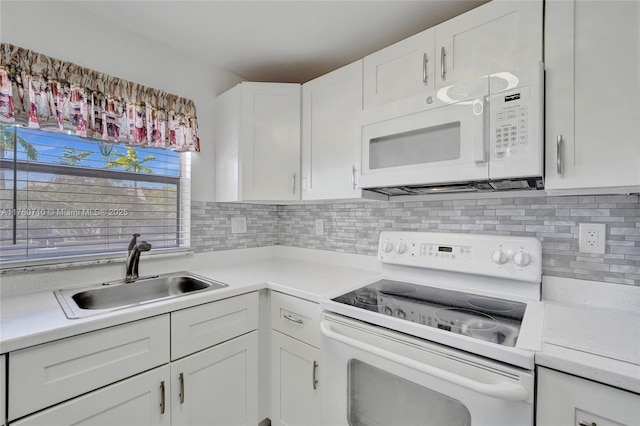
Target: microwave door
438, 145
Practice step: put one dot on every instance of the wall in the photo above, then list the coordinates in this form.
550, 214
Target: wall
355, 227
60, 30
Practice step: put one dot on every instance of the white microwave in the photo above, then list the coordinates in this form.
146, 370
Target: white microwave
479, 135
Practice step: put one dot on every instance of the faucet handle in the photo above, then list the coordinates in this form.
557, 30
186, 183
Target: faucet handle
133, 242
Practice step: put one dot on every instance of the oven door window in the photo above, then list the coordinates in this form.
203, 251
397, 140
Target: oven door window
376, 397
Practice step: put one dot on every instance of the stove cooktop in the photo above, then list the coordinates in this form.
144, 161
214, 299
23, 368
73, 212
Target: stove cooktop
486, 318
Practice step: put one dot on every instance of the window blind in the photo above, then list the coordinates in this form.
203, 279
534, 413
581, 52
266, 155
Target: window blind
64, 196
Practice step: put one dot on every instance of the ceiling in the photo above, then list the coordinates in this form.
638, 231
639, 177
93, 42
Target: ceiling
278, 41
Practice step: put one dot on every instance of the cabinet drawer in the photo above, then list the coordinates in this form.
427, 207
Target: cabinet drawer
296, 317
53, 372
200, 327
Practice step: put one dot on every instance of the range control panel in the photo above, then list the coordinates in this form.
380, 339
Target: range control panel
500, 256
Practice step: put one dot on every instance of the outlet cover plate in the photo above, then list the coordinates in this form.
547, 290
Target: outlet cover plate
319, 227
592, 238
239, 225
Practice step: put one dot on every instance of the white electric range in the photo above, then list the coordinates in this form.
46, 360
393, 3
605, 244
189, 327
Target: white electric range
454, 323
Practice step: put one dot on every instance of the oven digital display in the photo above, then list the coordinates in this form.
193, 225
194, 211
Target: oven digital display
445, 249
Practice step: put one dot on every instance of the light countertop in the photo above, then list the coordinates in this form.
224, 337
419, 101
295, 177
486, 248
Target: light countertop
592, 330
34, 318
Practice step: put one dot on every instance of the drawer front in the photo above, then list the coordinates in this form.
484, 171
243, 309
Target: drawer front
203, 326
296, 317
50, 373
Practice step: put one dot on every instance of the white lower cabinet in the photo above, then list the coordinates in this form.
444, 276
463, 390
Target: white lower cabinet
218, 386
139, 401
294, 384
124, 375
295, 356
45, 375
3, 389
563, 399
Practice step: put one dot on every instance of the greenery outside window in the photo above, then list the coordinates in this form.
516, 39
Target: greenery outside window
66, 197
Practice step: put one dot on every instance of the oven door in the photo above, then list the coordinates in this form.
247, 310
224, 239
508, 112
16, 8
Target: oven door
373, 376
435, 143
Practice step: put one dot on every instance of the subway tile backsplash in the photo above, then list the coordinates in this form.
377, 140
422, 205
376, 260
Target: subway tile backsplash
355, 227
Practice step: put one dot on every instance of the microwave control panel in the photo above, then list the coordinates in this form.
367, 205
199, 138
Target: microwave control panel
510, 124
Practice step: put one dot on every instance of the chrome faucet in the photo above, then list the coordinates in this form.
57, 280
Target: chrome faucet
133, 257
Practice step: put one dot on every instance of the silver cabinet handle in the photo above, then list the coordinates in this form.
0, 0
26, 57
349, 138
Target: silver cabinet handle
294, 182
314, 376
292, 319
559, 155
162, 400
443, 54
583, 423
353, 176
181, 379
424, 68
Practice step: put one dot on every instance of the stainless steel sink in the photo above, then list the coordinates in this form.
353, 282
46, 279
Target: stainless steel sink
107, 297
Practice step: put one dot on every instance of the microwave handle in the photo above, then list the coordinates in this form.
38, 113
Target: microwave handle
479, 152
505, 390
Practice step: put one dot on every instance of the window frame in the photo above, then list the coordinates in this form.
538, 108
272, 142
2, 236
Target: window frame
182, 184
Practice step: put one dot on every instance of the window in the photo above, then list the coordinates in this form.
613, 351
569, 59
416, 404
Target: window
64, 196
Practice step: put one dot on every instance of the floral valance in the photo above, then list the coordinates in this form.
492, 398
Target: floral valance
41, 92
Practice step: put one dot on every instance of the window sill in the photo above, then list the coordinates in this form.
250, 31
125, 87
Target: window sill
81, 261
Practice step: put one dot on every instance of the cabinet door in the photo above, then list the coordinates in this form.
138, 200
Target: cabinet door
592, 60
270, 141
218, 386
564, 399
331, 105
3, 388
494, 37
401, 70
139, 401
295, 394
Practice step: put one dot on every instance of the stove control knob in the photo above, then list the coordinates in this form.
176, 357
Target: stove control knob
387, 247
401, 248
388, 311
401, 314
499, 257
522, 259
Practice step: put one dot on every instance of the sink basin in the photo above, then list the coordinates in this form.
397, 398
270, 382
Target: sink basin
95, 300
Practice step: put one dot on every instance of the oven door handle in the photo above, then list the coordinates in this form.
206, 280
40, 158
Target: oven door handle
506, 390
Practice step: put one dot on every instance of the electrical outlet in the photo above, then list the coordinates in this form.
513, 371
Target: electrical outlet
592, 238
319, 227
239, 225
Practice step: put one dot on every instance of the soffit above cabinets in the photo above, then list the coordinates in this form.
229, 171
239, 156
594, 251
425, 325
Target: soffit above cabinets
276, 41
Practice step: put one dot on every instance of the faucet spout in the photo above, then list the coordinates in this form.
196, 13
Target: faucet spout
133, 257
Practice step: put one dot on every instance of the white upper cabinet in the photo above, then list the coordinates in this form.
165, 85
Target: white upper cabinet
401, 70
331, 105
592, 60
494, 37
258, 143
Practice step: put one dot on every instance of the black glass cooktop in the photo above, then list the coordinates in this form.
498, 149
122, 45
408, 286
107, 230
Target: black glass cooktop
486, 318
